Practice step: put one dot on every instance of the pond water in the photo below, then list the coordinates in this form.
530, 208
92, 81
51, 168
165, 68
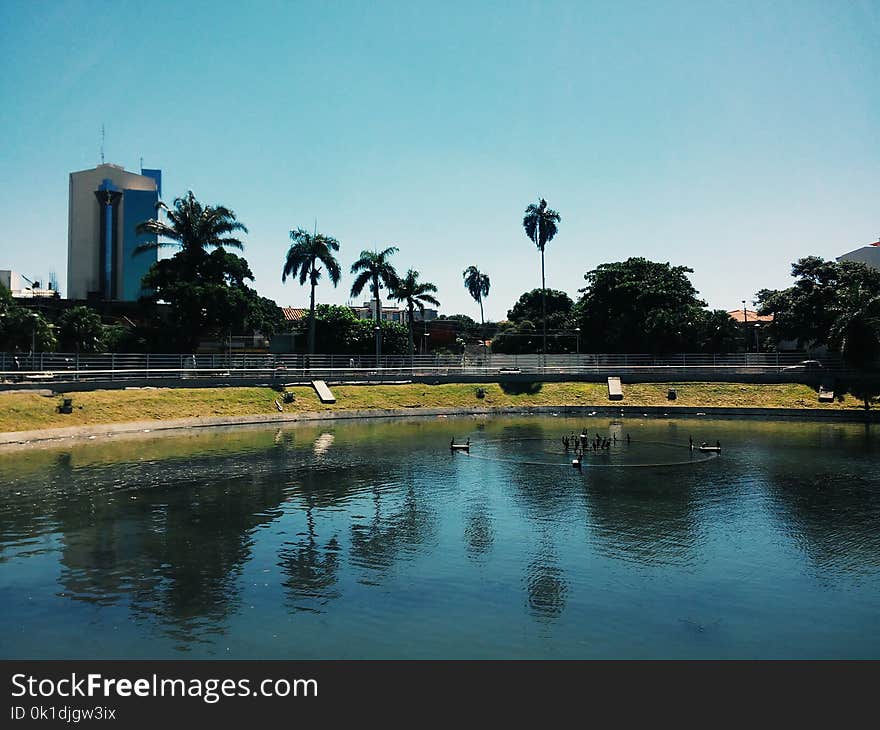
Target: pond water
373, 540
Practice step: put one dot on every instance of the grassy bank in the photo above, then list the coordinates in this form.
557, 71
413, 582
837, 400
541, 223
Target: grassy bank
26, 411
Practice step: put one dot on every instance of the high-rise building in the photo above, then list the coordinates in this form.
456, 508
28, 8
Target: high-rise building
106, 205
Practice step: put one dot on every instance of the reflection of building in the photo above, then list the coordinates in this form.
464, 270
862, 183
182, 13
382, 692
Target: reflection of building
105, 206
868, 255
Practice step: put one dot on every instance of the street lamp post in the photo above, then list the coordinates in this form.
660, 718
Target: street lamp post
746, 323
577, 331
425, 343
378, 331
757, 342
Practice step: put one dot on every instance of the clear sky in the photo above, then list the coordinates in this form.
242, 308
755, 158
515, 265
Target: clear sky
732, 137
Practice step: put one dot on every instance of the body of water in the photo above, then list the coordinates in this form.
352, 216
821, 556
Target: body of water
372, 540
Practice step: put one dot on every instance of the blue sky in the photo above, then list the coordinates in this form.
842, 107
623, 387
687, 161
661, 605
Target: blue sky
732, 137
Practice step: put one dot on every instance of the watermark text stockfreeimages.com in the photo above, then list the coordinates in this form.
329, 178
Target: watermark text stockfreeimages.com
208, 690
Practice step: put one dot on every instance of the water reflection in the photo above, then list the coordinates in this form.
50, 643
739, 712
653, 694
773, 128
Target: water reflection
392, 533
330, 520
833, 520
478, 533
545, 582
652, 521
310, 569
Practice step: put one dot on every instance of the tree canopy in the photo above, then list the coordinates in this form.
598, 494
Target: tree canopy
833, 303
80, 330
528, 308
206, 293
340, 331
22, 328
639, 305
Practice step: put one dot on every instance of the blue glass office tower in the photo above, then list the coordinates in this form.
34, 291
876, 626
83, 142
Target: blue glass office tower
106, 206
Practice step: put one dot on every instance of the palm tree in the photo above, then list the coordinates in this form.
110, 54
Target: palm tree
303, 257
477, 283
192, 227
541, 224
374, 268
415, 294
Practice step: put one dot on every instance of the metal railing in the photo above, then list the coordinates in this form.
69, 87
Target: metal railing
66, 367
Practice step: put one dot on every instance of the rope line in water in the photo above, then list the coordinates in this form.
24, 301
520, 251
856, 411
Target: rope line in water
703, 458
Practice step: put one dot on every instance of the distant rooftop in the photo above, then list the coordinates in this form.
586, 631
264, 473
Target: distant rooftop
749, 316
294, 314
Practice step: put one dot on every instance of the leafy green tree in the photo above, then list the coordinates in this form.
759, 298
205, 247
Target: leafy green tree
828, 304
414, 293
541, 225
22, 329
520, 338
639, 305
375, 269
303, 257
26, 331
263, 315
203, 284
80, 329
553, 305
855, 331
212, 299
340, 331
717, 331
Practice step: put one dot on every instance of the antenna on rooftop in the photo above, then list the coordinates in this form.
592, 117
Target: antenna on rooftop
102, 144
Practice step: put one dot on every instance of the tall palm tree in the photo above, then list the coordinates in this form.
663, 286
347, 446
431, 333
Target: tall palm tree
192, 228
415, 293
477, 283
374, 268
303, 257
541, 225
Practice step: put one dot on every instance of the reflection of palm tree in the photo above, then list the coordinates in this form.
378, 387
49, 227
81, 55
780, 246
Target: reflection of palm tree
478, 534
379, 544
545, 581
546, 588
310, 569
